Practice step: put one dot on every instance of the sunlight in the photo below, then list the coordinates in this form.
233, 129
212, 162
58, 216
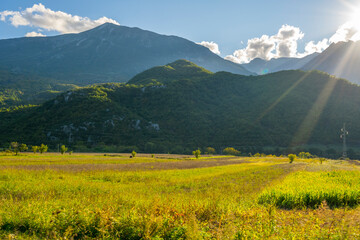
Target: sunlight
355, 18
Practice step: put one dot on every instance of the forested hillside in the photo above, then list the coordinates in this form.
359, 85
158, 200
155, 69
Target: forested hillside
195, 109
19, 89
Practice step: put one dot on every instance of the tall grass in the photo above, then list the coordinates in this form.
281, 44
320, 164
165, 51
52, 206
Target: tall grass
311, 189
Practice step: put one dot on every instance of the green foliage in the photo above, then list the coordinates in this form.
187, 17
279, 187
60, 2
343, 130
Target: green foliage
321, 160
231, 151
133, 154
17, 147
197, 153
305, 155
191, 111
292, 158
210, 150
63, 149
35, 148
20, 89
43, 148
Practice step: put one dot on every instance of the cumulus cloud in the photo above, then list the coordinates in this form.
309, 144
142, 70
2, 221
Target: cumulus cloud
44, 18
282, 44
212, 46
312, 47
346, 32
285, 43
34, 34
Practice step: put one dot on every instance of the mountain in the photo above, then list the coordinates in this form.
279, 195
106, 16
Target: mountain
196, 109
107, 53
341, 59
20, 89
178, 70
261, 66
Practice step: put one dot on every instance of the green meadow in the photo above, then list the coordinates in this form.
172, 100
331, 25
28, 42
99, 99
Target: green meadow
96, 196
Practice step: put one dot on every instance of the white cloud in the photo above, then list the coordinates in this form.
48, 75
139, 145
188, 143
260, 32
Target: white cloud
346, 32
34, 34
212, 46
41, 17
282, 44
312, 47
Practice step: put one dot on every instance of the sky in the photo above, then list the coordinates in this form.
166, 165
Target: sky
238, 30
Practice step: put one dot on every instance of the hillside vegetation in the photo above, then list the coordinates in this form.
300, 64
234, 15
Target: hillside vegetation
180, 107
20, 89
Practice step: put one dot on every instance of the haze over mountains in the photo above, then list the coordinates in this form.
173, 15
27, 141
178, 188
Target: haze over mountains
341, 59
108, 53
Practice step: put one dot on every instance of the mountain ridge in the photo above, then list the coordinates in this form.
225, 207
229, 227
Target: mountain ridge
107, 53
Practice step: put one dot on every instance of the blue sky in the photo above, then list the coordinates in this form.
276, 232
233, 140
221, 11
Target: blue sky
228, 23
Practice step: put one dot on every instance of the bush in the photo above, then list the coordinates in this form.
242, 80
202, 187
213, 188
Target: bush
133, 154
231, 151
291, 157
196, 153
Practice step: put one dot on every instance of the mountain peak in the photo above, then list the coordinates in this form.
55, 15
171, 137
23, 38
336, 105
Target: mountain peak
178, 70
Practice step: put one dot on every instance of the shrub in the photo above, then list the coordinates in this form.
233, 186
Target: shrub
196, 153
322, 160
133, 154
291, 157
231, 151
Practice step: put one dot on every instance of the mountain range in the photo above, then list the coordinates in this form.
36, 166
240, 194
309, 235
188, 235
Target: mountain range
341, 59
108, 53
181, 106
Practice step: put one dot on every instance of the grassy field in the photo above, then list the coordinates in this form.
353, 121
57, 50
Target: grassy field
93, 196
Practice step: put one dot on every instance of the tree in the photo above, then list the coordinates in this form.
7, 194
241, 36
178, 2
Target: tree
43, 148
291, 157
305, 155
210, 150
23, 147
133, 154
196, 153
35, 148
63, 149
231, 151
16, 147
